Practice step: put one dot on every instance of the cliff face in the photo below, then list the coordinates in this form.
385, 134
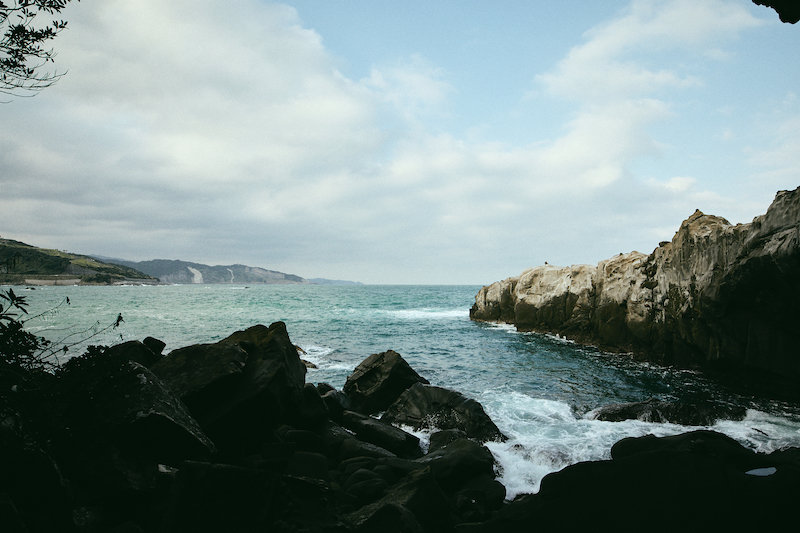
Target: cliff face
716, 296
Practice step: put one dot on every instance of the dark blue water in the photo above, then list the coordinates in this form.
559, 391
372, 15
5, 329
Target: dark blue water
537, 388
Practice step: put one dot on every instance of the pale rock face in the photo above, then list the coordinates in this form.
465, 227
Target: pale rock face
716, 294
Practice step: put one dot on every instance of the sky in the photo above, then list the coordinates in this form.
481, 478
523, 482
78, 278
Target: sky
447, 142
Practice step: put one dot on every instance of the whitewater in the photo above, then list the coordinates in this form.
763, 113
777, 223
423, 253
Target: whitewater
540, 390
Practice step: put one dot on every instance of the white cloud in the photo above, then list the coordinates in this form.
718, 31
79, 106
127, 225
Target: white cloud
415, 87
224, 133
613, 64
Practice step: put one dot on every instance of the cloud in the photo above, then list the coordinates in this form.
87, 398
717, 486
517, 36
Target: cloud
615, 60
225, 133
414, 87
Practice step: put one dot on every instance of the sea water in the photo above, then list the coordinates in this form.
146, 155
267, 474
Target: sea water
539, 389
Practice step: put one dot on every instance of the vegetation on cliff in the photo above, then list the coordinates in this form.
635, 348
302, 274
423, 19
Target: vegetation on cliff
20, 262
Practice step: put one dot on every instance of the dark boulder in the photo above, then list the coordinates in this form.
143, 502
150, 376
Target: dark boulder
702, 479
337, 403
156, 345
442, 438
135, 351
417, 503
459, 462
382, 434
241, 387
33, 494
115, 400
324, 387
113, 426
220, 497
312, 411
378, 381
427, 406
342, 444
654, 410
364, 486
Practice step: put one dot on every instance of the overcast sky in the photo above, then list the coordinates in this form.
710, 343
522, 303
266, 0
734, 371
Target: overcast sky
400, 142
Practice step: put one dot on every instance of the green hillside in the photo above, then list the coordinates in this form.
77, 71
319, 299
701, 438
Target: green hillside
22, 263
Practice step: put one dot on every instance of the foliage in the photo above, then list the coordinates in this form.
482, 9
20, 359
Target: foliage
23, 50
19, 260
24, 353
19, 348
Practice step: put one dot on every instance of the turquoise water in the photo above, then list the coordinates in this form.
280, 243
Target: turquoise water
537, 388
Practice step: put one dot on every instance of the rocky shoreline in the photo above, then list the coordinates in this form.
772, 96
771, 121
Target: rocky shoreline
718, 297
229, 437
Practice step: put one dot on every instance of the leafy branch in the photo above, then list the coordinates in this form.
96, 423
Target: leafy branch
23, 50
23, 352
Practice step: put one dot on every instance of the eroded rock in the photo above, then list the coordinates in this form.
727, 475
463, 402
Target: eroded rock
431, 407
379, 380
718, 296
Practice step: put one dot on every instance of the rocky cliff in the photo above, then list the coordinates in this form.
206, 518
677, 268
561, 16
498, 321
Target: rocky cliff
717, 297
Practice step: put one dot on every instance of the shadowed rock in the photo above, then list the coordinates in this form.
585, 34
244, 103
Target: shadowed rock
382, 434
703, 479
241, 387
379, 380
654, 410
430, 407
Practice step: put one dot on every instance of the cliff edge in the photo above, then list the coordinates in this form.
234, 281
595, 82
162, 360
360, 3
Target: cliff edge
716, 297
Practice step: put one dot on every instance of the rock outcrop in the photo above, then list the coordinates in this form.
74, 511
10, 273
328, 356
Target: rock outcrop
430, 407
106, 445
701, 480
378, 381
659, 411
717, 297
226, 437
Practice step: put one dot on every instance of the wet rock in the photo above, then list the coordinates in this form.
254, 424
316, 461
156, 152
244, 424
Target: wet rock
658, 411
427, 406
337, 403
378, 380
442, 438
459, 462
382, 434
700, 478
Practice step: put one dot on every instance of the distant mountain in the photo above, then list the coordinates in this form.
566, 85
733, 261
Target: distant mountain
176, 271
323, 281
22, 263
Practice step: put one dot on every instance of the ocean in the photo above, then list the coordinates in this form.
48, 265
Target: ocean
538, 389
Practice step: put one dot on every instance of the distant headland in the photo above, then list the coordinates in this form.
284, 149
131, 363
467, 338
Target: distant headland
24, 264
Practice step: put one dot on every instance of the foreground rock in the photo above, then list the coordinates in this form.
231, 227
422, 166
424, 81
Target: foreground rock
658, 411
700, 480
718, 297
379, 380
430, 407
239, 388
226, 437
106, 445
